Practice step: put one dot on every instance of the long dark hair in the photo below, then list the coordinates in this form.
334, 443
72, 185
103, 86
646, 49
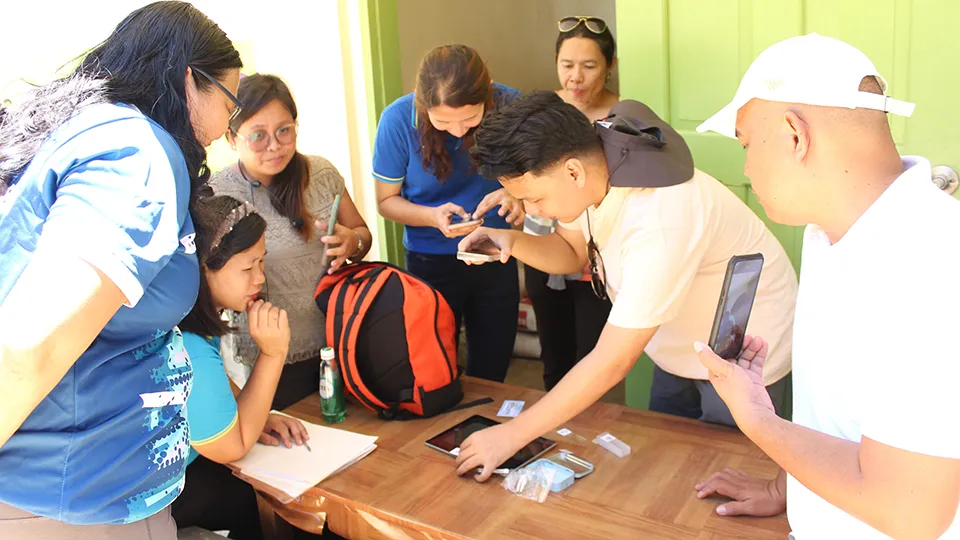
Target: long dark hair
256, 92
455, 76
208, 214
142, 63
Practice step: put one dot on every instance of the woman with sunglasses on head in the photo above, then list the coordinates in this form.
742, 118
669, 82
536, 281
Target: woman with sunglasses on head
586, 55
295, 195
97, 265
425, 180
569, 316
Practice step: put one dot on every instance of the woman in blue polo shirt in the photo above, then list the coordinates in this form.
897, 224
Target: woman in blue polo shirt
97, 266
426, 181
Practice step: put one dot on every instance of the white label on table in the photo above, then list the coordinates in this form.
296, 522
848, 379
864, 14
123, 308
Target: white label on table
455, 451
510, 408
563, 432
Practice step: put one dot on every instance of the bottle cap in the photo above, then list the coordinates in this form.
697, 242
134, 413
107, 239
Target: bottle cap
326, 353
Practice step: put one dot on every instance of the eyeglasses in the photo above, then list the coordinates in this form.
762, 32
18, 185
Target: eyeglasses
237, 105
593, 24
259, 140
598, 277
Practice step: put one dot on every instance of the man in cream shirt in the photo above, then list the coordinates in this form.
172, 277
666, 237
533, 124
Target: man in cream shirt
874, 448
658, 234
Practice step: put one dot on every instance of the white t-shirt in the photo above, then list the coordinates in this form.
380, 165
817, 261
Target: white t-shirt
876, 348
665, 253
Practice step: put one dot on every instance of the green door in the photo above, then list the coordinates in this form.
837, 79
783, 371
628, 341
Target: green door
685, 58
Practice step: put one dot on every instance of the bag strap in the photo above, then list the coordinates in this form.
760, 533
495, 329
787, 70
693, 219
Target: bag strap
344, 305
470, 404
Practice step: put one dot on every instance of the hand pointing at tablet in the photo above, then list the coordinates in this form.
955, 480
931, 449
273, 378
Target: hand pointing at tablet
487, 449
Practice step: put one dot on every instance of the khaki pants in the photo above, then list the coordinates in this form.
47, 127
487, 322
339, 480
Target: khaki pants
20, 525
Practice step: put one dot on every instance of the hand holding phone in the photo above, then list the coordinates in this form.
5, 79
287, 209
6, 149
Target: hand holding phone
479, 248
331, 227
465, 224
736, 302
447, 216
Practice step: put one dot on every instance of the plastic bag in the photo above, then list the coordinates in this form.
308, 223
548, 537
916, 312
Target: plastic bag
530, 483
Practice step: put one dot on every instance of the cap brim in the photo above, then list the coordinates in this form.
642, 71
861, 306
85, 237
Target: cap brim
724, 122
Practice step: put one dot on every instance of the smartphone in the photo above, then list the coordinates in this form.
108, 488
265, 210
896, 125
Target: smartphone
483, 252
736, 302
450, 440
331, 226
465, 224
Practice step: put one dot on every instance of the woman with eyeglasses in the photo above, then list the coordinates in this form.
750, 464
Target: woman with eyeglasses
295, 194
425, 180
98, 171
570, 317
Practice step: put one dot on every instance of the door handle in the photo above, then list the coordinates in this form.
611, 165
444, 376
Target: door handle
945, 178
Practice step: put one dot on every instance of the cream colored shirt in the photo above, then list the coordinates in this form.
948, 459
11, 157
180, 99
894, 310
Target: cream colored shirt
665, 253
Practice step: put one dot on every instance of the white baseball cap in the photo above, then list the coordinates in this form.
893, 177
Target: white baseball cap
811, 70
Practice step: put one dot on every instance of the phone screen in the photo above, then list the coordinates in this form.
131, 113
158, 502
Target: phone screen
736, 303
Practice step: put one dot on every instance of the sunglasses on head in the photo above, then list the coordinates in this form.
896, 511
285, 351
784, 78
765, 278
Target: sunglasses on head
593, 24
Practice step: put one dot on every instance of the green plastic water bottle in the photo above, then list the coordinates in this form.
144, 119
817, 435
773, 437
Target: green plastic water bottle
332, 403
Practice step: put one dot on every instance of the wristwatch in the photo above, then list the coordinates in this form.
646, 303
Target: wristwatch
359, 243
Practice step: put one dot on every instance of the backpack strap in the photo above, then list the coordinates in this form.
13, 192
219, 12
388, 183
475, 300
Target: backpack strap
470, 404
394, 412
345, 309
368, 285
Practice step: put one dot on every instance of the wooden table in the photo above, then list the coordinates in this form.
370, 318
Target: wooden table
406, 490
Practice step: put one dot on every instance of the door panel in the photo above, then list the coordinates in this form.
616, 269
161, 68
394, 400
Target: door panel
685, 58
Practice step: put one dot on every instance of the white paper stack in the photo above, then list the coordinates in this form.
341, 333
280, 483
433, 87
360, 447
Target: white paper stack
295, 470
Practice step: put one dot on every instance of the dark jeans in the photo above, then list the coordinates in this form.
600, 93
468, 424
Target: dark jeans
216, 500
569, 322
297, 381
485, 299
697, 399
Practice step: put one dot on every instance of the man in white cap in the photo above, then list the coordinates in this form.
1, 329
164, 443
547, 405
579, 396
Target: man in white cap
874, 447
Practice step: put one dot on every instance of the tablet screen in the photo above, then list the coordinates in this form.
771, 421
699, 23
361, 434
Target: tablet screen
450, 440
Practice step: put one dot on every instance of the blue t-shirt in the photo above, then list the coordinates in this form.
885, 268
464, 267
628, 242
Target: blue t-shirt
211, 407
397, 160
109, 443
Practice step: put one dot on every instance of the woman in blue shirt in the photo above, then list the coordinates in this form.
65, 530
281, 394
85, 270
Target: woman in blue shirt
426, 181
97, 266
231, 245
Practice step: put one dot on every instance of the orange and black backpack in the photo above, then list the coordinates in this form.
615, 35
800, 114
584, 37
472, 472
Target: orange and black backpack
393, 336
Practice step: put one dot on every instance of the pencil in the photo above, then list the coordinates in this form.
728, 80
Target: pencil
305, 443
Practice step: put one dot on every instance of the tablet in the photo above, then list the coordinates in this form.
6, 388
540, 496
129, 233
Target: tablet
449, 442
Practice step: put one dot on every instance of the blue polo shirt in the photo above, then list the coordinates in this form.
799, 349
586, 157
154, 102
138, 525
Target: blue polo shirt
397, 160
109, 443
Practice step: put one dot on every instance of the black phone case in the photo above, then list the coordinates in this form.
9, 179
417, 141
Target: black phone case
724, 292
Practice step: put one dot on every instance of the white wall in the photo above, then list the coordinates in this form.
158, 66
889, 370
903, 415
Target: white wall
298, 41
517, 38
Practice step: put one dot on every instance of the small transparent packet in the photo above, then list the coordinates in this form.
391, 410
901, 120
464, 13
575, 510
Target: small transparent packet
530, 482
